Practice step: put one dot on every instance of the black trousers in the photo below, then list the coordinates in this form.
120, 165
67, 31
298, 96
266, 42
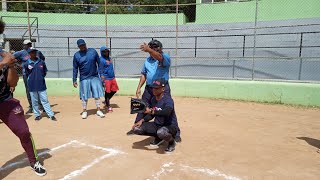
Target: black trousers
166, 133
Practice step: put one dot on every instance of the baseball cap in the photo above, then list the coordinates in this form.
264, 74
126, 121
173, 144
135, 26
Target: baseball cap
32, 49
26, 42
80, 42
158, 83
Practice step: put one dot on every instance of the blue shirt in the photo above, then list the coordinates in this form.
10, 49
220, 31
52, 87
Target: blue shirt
106, 68
165, 101
86, 62
23, 56
36, 71
153, 69
5, 93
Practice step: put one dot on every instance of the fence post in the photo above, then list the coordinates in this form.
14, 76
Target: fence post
244, 46
58, 64
177, 34
106, 19
254, 40
28, 17
68, 46
195, 46
300, 52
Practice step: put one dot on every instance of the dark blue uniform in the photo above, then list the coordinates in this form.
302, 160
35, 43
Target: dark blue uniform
164, 125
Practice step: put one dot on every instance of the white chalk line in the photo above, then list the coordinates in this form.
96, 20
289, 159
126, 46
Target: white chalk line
111, 152
86, 167
25, 160
209, 172
168, 168
163, 170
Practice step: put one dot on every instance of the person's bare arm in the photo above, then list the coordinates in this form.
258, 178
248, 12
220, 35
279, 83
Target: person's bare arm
141, 83
156, 55
12, 77
8, 59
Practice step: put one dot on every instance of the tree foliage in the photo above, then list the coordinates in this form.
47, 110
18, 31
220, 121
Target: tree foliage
98, 8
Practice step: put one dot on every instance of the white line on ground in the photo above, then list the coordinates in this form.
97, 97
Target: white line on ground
209, 172
86, 167
24, 160
163, 170
111, 152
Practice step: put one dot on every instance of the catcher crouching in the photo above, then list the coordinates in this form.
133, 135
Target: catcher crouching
161, 109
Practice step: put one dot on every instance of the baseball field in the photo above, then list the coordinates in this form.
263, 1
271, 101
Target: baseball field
220, 140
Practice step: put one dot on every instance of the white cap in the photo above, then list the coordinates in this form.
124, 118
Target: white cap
26, 42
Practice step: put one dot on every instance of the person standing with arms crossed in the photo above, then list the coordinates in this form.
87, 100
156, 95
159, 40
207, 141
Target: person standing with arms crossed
11, 111
86, 61
36, 71
23, 56
156, 66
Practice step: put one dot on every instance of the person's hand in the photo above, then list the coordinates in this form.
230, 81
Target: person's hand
145, 47
75, 84
137, 124
148, 111
8, 59
138, 93
12, 89
103, 78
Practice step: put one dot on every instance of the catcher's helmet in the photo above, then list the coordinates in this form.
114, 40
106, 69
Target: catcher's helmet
155, 43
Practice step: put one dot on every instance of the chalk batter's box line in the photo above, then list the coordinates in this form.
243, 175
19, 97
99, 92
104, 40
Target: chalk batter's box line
110, 152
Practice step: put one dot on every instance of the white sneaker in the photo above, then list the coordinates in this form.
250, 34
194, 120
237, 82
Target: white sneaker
84, 115
100, 114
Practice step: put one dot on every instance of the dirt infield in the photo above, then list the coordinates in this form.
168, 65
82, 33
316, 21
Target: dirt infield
220, 140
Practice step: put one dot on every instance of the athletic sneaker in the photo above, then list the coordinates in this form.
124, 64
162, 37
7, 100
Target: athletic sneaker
84, 115
100, 114
171, 147
38, 118
110, 110
29, 111
130, 133
178, 139
39, 169
53, 118
156, 142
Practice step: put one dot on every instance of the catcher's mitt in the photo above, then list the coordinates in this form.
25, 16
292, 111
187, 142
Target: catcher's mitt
138, 106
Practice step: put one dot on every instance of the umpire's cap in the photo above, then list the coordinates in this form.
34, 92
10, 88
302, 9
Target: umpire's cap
155, 43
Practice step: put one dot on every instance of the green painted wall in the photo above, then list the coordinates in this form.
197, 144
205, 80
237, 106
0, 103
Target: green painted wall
96, 19
274, 92
269, 10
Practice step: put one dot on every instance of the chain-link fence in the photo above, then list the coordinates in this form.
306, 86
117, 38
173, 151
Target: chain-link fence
207, 39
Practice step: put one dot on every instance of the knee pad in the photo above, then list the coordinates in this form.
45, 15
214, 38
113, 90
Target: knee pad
163, 133
138, 130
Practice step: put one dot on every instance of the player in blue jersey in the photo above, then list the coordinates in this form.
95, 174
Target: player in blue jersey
86, 62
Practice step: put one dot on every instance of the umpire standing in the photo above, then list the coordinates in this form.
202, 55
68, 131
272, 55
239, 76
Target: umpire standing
156, 66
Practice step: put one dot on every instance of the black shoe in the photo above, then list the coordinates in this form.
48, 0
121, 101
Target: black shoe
53, 118
156, 142
29, 111
39, 169
130, 133
178, 139
171, 147
38, 118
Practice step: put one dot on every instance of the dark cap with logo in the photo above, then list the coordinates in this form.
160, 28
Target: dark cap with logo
158, 83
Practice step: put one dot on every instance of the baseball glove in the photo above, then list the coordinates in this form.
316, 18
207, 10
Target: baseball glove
138, 106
